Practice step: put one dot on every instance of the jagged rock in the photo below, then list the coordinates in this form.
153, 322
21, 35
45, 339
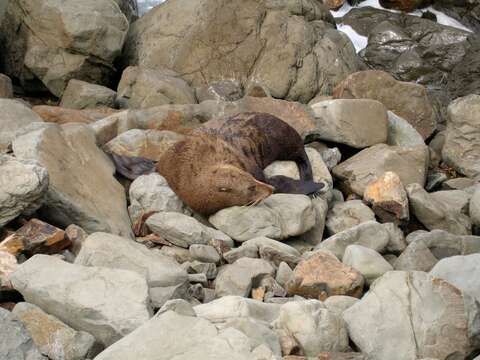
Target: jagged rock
429, 317
259, 49
71, 157
462, 150
141, 87
388, 198
322, 275
278, 217
345, 215
405, 99
6, 88
53, 338
16, 342
401, 133
83, 95
236, 279
183, 230
410, 164
416, 257
434, 214
314, 328
358, 123
368, 262
60, 115
47, 44
107, 303
14, 116
23, 184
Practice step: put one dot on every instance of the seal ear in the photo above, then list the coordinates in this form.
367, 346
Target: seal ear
132, 166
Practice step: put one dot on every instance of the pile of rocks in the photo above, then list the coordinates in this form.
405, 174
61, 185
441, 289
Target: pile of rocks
383, 265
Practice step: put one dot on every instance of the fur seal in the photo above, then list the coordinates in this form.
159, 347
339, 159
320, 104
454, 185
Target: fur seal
215, 168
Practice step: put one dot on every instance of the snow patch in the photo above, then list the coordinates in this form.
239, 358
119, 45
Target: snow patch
359, 42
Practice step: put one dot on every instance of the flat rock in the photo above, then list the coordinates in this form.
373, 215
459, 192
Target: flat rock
410, 164
322, 275
368, 262
82, 95
429, 317
71, 156
23, 185
107, 303
358, 123
345, 215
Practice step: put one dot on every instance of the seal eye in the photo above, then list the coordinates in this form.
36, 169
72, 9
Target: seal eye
224, 189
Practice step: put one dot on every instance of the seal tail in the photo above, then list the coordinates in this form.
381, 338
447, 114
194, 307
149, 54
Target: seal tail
132, 167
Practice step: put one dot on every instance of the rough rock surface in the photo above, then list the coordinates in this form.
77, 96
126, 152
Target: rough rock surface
71, 156
106, 303
82, 95
367, 261
345, 215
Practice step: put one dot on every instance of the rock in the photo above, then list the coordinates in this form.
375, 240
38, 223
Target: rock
129, 9
388, 198
23, 184
236, 279
150, 144
406, 100
223, 90
70, 155
404, 5
345, 215
434, 214
115, 252
257, 39
35, 237
77, 236
209, 269
59, 115
429, 317
6, 88
83, 95
179, 306
457, 183
333, 4
8, 264
337, 304
274, 251
59, 42
182, 230
443, 244
358, 123
284, 274
401, 133
461, 150
466, 13
455, 200
204, 253
315, 235
321, 275
370, 234
180, 255
474, 208
184, 337
107, 303
278, 217
14, 116
16, 343
143, 87
52, 337
367, 261
410, 164
314, 328
247, 251
460, 271
416, 257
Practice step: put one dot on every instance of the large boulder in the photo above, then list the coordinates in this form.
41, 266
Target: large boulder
290, 47
428, 318
50, 42
82, 188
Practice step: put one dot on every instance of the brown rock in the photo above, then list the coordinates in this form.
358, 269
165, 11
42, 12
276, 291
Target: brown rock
6, 88
333, 4
59, 115
323, 275
404, 5
407, 100
388, 198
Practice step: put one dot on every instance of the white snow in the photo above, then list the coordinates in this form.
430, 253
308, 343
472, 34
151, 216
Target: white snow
359, 42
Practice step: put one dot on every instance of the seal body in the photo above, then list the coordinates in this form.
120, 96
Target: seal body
215, 168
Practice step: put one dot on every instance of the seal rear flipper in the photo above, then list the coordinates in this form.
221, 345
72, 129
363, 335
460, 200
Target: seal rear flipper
132, 167
286, 185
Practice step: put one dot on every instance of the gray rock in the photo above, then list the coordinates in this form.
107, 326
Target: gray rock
115, 252
248, 251
143, 87
224, 90
315, 235
83, 95
274, 251
209, 269
428, 317
460, 271
315, 328
358, 123
434, 214
410, 164
416, 257
52, 337
23, 185
278, 217
461, 149
6, 88
367, 261
13, 117
179, 306
236, 279
474, 208
345, 215
180, 255
107, 303
457, 183
397, 242
159, 296
455, 200
74, 196
284, 274
401, 133
16, 342
337, 304
204, 253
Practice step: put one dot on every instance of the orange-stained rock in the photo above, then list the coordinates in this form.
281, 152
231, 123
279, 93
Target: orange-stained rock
59, 115
333, 4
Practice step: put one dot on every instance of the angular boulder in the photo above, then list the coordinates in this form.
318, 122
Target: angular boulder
83, 95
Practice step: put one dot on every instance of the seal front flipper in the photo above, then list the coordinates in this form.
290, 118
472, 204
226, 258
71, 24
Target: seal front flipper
132, 166
286, 185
